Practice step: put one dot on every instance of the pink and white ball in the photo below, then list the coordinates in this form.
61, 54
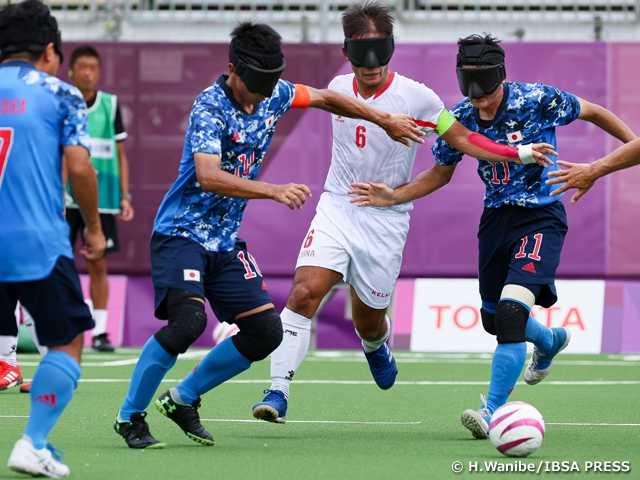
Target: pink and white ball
224, 330
516, 429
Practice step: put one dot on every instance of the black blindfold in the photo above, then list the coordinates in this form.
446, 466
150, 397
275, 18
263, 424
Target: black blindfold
260, 72
479, 81
369, 52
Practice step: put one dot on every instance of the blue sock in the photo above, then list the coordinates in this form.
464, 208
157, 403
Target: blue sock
507, 364
220, 364
152, 366
52, 390
540, 335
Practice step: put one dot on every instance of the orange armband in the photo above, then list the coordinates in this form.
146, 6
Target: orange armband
302, 99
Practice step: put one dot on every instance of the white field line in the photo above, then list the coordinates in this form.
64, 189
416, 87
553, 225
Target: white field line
379, 423
596, 424
371, 382
310, 421
133, 361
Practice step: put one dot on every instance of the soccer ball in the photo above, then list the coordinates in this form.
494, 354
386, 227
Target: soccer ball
224, 330
516, 429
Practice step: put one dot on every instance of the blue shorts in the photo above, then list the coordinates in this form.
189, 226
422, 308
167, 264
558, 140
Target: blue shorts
56, 304
521, 246
231, 281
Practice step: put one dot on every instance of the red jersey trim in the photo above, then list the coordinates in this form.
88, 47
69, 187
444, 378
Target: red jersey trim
384, 89
422, 123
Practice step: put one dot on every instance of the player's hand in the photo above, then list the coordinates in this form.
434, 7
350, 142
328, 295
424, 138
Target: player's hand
94, 244
402, 128
126, 210
371, 194
540, 152
576, 175
293, 195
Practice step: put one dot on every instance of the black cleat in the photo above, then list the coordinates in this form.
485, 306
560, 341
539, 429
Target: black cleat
136, 432
186, 416
101, 343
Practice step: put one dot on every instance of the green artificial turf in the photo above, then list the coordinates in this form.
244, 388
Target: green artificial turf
341, 426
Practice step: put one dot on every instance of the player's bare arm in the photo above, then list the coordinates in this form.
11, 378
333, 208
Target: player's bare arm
606, 120
126, 210
399, 127
213, 179
582, 176
381, 195
84, 186
478, 146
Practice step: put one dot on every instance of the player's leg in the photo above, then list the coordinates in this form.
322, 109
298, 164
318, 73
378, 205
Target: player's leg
374, 328
10, 375
99, 285
494, 260
322, 262
541, 250
178, 299
375, 246
238, 294
61, 317
310, 286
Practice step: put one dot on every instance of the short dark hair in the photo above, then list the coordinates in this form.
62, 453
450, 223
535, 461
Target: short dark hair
83, 51
475, 39
21, 13
368, 17
257, 37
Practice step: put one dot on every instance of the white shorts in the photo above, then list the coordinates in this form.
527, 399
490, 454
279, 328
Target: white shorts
363, 244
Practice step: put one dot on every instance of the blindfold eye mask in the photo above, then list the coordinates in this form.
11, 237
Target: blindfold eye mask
483, 70
260, 72
369, 52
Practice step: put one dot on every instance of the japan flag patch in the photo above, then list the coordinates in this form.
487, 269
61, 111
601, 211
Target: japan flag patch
514, 137
269, 121
191, 275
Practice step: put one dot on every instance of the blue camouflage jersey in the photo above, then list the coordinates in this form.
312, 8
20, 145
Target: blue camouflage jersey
218, 125
39, 114
529, 113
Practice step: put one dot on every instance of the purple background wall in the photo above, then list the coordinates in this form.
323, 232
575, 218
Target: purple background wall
156, 84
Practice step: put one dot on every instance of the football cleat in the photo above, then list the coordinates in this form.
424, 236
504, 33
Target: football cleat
539, 364
136, 432
46, 462
382, 366
101, 343
477, 421
9, 376
273, 408
186, 417
25, 388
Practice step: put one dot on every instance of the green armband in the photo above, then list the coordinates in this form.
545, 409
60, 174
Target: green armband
445, 120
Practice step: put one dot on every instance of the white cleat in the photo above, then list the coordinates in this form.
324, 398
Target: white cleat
38, 463
540, 363
477, 421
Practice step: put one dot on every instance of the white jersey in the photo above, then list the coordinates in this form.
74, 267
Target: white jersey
363, 152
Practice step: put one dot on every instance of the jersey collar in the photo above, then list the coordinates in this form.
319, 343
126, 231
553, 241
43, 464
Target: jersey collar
18, 63
489, 123
384, 89
222, 81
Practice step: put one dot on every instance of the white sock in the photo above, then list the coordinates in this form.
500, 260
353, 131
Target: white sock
8, 345
100, 317
372, 345
31, 326
286, 359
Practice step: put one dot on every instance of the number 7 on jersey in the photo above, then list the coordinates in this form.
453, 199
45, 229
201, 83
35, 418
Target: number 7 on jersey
6, 141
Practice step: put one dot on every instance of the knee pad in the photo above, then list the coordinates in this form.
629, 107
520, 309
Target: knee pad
511, 322
187, 321
488, 321
259, 335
